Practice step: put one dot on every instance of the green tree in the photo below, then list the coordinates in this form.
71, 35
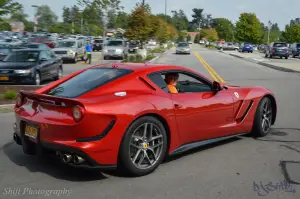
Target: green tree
248, 28
224, 28
66, 15
198, 17
118, 20
4, 26
45, 17
189, 38
210, 34
19, 15
197, 39
291, 33
139, 25
180, 20
8, 7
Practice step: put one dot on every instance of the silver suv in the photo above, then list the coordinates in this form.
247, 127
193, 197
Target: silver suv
70, 50
115, 48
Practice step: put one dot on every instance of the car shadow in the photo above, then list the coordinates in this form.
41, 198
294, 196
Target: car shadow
199, 149
50, 166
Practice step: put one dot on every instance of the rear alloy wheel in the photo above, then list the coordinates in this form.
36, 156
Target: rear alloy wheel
37, 79
143, 147
263, 118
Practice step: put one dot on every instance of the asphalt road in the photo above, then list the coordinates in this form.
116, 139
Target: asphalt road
230, 170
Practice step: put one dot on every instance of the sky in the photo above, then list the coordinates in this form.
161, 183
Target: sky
277, 11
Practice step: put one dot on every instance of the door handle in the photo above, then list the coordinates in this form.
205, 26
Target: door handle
178, 106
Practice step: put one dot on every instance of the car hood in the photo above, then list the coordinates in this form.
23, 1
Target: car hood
17, 65
62, 49
113, 47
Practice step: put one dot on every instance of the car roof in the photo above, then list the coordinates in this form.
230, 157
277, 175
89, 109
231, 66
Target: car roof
143, 67
29, 49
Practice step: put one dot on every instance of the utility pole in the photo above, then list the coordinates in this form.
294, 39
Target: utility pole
269, 29
104, 19
143, 3
35, 17
166, 5
72, 27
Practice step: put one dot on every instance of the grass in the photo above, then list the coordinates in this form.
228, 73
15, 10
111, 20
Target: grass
9, 95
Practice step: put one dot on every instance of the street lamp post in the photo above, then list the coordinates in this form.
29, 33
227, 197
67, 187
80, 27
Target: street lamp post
81, 21
104, 19
269, 29
35, 17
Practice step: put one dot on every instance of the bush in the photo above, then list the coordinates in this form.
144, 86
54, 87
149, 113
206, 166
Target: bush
149, 56
10, 95
170, 46
139, 58
158, 50
210, 46
132, 58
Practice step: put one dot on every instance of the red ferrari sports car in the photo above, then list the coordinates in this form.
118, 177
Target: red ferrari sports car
124, 115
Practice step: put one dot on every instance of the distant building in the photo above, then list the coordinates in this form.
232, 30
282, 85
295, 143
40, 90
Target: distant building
17, 26
193, 35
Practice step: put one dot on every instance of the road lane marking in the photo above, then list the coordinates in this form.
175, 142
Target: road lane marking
211, 71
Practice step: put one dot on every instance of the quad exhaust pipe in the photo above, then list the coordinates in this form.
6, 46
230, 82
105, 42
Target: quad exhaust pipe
78, 160
66, 158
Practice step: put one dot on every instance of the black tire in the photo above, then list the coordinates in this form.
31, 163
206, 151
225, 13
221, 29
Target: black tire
125, 162
286, 57
270, 56
266, 55
75, 59
257, 129
59, 73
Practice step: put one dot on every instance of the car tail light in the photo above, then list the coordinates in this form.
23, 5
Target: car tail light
19, 100
78, 113
273, 49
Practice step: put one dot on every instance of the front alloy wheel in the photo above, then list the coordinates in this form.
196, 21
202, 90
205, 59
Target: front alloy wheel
263, 118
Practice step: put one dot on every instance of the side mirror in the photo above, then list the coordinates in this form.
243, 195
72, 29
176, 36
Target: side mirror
216, 86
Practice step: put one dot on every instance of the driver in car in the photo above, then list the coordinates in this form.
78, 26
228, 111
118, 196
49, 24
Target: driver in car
172, 79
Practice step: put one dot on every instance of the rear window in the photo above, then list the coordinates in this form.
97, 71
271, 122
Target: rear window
87, 81
280, 45
298, 45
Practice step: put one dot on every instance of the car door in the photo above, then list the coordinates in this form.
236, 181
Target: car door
44, 65
201, 113
53, 63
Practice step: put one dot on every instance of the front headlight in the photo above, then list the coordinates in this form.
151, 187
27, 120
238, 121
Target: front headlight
23, 71
71, 52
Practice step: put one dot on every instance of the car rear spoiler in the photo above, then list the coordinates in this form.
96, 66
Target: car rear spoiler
48, 99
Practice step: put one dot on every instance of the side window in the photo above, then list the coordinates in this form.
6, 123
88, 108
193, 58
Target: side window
159, 81
43, 55
51, 55
187, 83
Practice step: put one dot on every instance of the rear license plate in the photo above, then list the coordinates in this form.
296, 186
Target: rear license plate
3, 78
31, 131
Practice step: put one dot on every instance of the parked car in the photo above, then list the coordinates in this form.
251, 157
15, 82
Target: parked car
295, 49
97, 44
70, 50
31, 66
133, 47
43, 39
116, 49
6, 48
183, 48
36, 46
230, 46
246, 47
277, 49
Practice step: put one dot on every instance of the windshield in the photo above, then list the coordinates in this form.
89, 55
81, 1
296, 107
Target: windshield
66, 44
183, 45
298, 45
22, 56
4, 51
87, 81
280, 45
114, 43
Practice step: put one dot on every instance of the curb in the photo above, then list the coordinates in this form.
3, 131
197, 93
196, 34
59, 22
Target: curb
159, 56
279, 68
7, 108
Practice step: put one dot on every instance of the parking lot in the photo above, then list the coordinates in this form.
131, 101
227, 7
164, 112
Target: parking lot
239, 168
